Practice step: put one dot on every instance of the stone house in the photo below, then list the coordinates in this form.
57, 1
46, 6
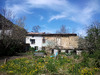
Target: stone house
47, 41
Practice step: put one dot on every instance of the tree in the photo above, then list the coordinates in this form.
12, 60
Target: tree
82, 43
36, 28
12, 36
93, 36
93, 41
62, 30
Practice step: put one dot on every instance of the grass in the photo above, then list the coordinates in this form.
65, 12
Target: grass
48, 65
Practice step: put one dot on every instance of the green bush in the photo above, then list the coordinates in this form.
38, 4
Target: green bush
43, 51
74, 69
63, 60
63, 53
85, 60
96, 56
51, 66
40, 60
32, 49
76, 56
68, 54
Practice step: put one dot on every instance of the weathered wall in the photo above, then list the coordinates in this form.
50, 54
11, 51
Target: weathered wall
69, 42
66, 42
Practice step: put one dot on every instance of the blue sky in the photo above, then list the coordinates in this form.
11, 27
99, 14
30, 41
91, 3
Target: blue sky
77, 15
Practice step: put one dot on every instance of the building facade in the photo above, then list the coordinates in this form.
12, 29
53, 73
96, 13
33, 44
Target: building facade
41, 41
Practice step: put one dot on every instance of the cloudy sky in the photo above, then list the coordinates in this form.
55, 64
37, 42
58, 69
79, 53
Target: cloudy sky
51, 14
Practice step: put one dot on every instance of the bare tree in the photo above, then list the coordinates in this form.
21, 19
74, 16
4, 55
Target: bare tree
82, 43
11, 34
54, 43
36, 28
62, 30
20, 22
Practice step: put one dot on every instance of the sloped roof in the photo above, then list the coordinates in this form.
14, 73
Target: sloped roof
50, 34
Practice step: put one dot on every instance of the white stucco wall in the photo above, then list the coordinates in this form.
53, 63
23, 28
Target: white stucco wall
38, 41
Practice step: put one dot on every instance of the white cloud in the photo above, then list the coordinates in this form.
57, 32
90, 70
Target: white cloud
66, 9
18, 8
57, 17
83, 16
53, 4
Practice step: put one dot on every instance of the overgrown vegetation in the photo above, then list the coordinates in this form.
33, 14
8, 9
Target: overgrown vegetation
91, 43
50, 66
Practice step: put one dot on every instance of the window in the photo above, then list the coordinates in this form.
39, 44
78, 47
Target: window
43, 40
32, 41
36, 47
43, 48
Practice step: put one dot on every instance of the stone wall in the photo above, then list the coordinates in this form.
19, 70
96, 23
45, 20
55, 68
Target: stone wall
67, 42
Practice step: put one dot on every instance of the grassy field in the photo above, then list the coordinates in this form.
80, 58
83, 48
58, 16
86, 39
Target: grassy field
62, 65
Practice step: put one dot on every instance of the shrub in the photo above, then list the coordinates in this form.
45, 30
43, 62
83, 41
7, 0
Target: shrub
61, 65
63, 53
40, 60
85, 60
76, 56
68, 54
96, 55
51, 66
73, 68
86, 71
32, 49
42, 51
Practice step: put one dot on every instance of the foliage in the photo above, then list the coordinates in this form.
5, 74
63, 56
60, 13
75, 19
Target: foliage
32, 49
73, 68
86, 71
96, 56
51, 66
62, 53
76, 56
91, 43
85, 60
68, 54
47, 65
43, 51
93, 37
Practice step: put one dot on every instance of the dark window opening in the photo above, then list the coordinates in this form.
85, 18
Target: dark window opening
32, 36
43, 40
36, 47
32, 41
43, 48
52, 51
66, 51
